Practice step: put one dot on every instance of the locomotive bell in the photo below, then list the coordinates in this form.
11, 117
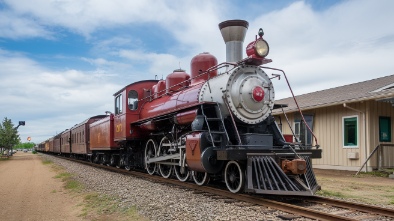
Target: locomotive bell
233, 32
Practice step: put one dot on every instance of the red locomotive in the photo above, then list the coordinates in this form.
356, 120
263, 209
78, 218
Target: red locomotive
210, 125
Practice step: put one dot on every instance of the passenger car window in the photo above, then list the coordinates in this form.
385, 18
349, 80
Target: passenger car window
132, 99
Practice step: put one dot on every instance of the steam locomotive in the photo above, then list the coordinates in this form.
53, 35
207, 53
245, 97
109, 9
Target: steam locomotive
213, 124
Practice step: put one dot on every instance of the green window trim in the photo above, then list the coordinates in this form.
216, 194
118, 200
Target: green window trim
350, 131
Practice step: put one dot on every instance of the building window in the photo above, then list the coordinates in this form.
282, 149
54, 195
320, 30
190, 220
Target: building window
301, 131
384, 129
132, 99
297, 128
118, 104
350, 125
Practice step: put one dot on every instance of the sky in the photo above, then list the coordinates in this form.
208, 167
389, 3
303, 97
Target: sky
61, 61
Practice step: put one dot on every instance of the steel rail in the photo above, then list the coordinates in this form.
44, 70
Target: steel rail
351, 205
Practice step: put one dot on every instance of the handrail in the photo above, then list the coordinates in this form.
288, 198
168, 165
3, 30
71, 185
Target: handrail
365, 162
213, 68
295, 100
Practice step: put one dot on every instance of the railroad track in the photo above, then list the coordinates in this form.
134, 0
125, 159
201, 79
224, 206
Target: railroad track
315, 207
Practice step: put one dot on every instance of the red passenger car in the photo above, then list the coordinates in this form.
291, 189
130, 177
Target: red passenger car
46, 146
65, 139
80, 139
50, 144
56, 144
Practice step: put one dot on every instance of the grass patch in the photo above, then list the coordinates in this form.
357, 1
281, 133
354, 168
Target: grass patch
331, 193
64, 176
73, 185
377, 173
132, 214
46, 161
70, 183
101, 203
107, 207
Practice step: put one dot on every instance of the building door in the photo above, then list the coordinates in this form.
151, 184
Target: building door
384, 129
301, 130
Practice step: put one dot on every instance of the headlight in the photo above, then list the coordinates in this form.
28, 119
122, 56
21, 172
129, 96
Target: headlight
258, 48
261, 48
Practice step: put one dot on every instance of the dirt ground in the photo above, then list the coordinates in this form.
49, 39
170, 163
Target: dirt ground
29, 191
363, 188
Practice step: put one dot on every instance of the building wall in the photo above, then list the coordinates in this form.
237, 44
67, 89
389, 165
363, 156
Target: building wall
376, 110
327, 126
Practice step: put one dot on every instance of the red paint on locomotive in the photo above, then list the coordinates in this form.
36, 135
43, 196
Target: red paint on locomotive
171, 103
193, 152
129, 102
201, 63
184, 95
176, 81
159, 89
186, 117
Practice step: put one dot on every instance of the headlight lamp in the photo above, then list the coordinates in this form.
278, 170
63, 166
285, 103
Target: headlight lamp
261, 47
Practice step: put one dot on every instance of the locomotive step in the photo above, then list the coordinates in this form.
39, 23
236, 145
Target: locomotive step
213, 119
218, 132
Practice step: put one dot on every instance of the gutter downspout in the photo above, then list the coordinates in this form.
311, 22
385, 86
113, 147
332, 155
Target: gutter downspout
365, 132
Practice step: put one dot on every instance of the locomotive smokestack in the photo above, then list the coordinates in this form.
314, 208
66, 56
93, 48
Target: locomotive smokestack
233, 32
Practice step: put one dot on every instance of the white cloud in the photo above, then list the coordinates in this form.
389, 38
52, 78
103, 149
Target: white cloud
156, 64
36, 94
347, 43
87, 16
14, 27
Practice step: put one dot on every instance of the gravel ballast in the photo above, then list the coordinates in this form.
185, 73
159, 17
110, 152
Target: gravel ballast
163, 202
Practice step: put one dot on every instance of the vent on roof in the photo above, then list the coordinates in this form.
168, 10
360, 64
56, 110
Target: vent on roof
387, 87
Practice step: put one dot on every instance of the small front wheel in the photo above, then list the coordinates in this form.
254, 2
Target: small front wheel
234, 177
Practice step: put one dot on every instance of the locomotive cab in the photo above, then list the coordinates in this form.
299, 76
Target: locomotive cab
128, 103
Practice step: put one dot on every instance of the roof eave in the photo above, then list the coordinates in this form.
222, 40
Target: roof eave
373, 97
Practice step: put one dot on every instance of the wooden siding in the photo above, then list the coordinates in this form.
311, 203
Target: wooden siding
376, 110
328, 128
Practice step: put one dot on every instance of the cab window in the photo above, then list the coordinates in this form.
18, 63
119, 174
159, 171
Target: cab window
118, 104
132, 99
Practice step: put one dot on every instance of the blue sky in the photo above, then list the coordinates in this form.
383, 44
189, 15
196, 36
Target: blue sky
62, 60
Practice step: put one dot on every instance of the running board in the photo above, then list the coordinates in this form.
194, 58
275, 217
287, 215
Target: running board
163, 158
264, 176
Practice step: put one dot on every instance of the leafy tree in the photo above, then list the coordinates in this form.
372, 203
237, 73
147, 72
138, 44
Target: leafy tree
8, 134
27, 145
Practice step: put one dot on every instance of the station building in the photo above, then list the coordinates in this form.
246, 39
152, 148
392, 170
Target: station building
352, 123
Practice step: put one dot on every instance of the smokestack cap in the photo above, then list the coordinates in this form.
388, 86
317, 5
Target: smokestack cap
233, 23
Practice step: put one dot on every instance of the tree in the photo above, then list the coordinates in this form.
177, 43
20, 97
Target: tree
8, 134
27, 145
